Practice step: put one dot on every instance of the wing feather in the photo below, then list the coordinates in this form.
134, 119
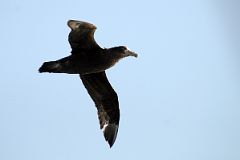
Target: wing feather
81, 37
106, 101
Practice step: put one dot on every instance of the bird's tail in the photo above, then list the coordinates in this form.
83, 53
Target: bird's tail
52, 66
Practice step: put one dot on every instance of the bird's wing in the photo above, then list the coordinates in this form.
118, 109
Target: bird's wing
106, 101
81, 37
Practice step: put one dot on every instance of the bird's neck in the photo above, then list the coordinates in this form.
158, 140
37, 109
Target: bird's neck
116, 56
111, 57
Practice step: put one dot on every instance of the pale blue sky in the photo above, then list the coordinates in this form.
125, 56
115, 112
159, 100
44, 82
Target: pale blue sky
180, 100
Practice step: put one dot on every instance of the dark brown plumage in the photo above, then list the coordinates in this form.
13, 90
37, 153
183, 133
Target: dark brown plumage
90, 61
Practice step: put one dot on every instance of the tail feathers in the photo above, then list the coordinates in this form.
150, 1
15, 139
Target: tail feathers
52, 66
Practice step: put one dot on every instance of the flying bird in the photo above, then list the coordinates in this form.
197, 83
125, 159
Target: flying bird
90, 61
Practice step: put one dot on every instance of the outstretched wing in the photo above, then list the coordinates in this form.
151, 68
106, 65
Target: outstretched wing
106, 101
81, 37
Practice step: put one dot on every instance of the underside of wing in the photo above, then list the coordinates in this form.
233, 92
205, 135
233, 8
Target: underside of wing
106, 101
81, 37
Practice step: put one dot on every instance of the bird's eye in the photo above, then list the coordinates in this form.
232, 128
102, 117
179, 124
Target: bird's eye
124, 48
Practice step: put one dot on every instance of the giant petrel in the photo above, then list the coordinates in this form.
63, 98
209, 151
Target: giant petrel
90, 61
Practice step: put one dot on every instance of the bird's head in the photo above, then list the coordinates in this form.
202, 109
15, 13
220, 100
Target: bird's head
122, 52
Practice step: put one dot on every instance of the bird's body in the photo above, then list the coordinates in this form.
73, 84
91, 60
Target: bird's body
90, 61
76, 63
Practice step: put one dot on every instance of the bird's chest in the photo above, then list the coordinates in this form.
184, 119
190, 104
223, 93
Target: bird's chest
93, 63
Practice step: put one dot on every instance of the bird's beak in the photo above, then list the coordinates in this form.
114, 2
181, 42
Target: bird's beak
131, 53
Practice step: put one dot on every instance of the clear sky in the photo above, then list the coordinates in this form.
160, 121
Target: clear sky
179, 100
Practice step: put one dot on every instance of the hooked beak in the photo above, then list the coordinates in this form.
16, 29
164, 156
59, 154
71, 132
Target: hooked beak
131, 53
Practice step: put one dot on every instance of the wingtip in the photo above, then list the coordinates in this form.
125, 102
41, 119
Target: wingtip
74, 24
110, 133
